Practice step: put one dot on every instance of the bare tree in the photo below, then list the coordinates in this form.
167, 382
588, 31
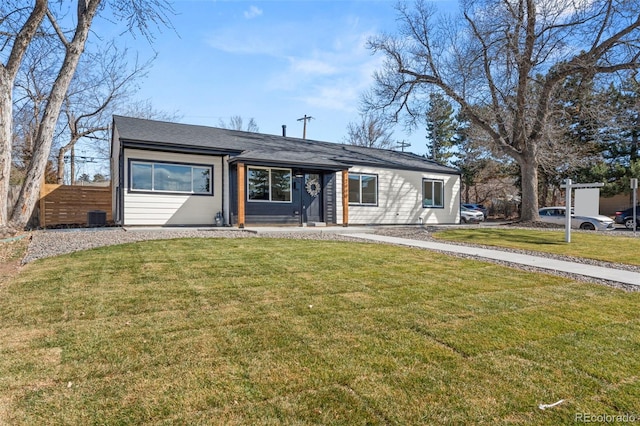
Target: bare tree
144, 109
103, 83
371, 132
20, 27
501, 63
237, 123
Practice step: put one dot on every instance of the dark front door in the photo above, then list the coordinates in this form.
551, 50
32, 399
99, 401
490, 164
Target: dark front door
312, 198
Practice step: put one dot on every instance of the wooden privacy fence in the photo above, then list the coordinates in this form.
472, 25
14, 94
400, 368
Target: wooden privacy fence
70, 205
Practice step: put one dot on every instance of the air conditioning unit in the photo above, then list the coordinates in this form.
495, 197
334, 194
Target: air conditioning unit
96, 218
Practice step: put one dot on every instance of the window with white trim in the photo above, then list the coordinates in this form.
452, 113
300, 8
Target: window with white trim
170, 177
363, 189
269, 184
432, 193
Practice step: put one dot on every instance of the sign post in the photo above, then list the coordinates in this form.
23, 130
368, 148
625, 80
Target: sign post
570, 186
634, 190
567, 211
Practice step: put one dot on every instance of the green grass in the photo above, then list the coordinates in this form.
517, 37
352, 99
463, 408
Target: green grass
590, 245
268, 331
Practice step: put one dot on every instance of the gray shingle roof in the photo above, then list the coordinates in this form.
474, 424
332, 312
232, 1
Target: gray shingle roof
263, 148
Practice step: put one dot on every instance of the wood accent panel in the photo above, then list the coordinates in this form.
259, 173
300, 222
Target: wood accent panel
241, 195
69, 205
345, 198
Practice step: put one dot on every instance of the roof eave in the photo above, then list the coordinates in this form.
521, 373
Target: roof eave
169, 147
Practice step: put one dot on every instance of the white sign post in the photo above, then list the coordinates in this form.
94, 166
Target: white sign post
634, 190
570, 186
567, 211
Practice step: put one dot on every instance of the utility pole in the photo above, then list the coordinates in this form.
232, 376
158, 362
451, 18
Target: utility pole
402, 145
304, 127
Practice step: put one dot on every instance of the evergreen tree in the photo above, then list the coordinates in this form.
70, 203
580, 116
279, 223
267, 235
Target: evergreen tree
441, 129
621, 134
611, 119
570, 145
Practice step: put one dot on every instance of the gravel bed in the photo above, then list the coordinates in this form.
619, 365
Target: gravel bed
56, 242
53, 243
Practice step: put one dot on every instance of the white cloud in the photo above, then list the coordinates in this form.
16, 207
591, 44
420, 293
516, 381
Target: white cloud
324, 64
311, 66
253, 12
340, 95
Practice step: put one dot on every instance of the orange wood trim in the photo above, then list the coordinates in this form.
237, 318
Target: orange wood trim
345, 198
241, 195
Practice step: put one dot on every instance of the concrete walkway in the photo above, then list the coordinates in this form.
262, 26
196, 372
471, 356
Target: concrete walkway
609, 274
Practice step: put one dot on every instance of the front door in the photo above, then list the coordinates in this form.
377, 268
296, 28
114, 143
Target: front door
312, 198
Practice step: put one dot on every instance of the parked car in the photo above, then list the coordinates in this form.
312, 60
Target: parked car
468, 215
478, 207
625, 217
592, 223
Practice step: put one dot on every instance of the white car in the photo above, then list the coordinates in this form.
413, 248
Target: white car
468, 215
592, 223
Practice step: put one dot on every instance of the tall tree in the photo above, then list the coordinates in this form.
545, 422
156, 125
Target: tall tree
441, 128
501, 62
486, 175
372, 131
103, 84
621, 133
20, 27
570, 140
607, 121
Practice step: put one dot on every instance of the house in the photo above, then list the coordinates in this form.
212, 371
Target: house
170, 174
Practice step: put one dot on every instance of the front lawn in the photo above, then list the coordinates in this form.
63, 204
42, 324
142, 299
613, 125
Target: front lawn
271, 331
604, 246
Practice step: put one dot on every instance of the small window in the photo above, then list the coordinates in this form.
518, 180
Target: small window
432, 193
363, 189
265, 184
170, 177
142, 176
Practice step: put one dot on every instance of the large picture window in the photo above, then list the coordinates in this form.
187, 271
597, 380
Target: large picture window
432, 193
268, 184
363, 189
170, 177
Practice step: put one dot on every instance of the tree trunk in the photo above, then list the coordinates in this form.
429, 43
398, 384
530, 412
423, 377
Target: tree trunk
529, 173
30, 191
6, 127
8, 72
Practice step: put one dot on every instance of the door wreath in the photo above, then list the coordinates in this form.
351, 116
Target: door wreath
313, 187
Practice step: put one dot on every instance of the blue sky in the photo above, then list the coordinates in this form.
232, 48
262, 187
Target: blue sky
274, 61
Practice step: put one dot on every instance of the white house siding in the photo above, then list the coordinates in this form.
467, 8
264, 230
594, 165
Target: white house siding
172, 209
400, 199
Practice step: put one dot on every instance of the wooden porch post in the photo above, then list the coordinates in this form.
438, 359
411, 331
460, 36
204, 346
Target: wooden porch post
241, 196
345, 198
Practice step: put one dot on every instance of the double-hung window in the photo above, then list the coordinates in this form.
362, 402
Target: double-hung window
363, 189
269, 184
170, 177
432, 193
